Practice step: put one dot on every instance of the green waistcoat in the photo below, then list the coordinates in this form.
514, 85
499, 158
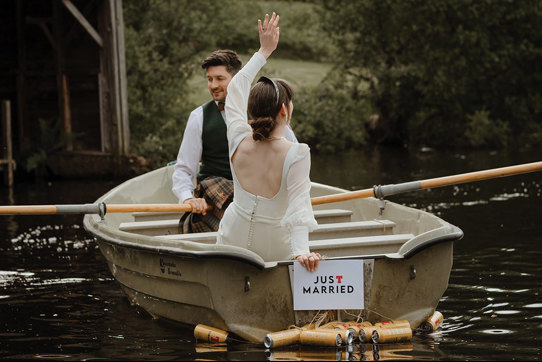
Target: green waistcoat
214, 156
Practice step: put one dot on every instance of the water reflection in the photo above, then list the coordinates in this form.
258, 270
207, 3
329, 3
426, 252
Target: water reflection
59, 301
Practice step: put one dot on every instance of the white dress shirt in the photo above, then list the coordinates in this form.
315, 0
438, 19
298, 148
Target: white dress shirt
189, 156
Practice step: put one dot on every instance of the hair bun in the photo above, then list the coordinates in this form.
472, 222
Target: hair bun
262, 127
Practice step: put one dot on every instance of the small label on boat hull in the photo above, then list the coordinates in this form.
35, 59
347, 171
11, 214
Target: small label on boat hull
169, 267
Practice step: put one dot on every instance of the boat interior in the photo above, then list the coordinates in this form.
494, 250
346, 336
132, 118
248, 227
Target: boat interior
337, 235
367, 228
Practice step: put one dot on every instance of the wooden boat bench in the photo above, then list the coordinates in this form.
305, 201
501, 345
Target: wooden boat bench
335, 239
167, 223
361, 245
323, 216
336, 234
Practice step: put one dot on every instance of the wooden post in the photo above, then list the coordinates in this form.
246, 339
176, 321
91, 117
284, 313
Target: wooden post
114, 56
24, 141
123, 82
7, 161
66, 112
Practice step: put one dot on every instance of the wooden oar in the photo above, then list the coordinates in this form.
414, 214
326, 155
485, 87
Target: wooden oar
377, 191
388, 190
91, 209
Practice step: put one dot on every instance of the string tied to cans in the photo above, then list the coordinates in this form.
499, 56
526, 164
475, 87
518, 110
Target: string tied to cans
332, 334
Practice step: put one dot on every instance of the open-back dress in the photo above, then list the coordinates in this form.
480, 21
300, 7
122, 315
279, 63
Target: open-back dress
275, 228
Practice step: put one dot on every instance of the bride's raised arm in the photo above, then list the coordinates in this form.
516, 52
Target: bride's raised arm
239, 87
269, 34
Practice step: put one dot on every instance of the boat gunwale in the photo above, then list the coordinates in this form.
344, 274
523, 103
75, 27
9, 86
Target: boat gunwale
457, 234
161, 249
113, 235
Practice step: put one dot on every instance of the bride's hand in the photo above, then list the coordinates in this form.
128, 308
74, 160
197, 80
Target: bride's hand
269, 34
309, 261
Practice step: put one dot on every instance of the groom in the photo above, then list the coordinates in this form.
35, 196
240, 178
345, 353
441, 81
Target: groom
205, 141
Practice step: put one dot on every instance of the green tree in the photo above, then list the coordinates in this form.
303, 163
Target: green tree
431, 68
164, 39
165, 43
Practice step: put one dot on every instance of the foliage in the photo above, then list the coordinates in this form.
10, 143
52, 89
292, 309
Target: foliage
328, 118
482, 131
300, 38
431, 66
50, 139
163, 44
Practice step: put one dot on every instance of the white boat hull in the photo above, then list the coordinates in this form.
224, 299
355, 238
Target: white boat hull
235, 290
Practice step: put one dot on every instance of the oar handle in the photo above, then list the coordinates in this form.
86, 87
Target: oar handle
28, 209
51, 209
100, 209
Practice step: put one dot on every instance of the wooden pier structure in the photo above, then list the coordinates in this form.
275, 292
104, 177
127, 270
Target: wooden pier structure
6, 162
63, 65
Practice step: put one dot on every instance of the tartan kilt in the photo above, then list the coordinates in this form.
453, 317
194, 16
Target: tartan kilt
217, 192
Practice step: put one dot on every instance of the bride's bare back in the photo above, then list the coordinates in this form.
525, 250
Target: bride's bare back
258, 165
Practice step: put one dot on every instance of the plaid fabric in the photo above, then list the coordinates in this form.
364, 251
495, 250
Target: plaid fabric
217, 192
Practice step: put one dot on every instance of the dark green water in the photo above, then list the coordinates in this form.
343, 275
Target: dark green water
59, 301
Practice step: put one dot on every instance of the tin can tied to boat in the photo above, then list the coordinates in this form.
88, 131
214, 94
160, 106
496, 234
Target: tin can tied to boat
329, 325
432, 323
359, 324
392, 335
353, 327
210, 334
403, 323
321, 337
347, 335
286, 337
348, 332
365, 334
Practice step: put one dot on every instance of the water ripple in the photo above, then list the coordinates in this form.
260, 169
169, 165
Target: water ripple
497, 331
534, 305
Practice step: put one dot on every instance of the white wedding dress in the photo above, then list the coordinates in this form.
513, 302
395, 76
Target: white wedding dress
275, 228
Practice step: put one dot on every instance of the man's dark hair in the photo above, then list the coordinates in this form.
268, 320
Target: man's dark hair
226, 57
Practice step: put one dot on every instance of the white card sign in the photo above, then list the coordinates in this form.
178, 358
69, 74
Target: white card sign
336, 284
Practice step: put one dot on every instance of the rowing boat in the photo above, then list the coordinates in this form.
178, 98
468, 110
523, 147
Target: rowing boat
407, 257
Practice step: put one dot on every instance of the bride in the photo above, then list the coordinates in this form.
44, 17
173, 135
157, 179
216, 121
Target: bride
271, 213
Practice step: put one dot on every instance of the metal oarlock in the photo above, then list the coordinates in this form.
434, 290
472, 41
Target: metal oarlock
102, 210
377, 190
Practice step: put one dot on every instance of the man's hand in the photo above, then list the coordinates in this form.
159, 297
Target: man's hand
198, 205
309, 261
269, 34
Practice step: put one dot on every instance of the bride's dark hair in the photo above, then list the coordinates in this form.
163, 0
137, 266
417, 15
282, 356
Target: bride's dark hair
264, 103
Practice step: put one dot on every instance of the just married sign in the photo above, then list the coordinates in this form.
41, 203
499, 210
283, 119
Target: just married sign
336, 284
